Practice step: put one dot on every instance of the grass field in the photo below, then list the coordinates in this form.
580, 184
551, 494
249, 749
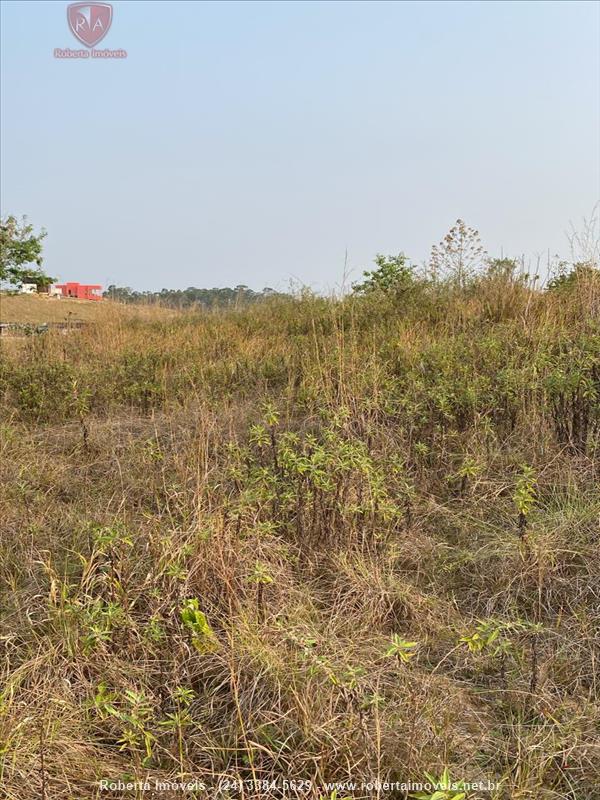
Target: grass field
316, 540
38, 309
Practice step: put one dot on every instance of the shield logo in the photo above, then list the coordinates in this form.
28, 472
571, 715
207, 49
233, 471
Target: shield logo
89, 22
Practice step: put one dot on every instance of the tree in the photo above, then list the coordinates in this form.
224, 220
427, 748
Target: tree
581, 273
20, 249
458, 255
393, 276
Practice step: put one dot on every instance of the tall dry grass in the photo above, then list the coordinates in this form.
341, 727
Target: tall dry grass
318, 540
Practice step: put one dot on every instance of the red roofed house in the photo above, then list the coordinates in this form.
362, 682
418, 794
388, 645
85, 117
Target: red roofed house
81, 291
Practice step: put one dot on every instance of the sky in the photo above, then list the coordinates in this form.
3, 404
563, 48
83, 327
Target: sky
263, 143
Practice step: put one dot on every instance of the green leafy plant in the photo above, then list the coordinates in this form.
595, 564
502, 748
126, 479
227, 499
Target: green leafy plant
134, 713
468, 470
155, 631
486, 634
99, 620
445, 788
504, 639
180, 719
203, 636
401, 649
524, 496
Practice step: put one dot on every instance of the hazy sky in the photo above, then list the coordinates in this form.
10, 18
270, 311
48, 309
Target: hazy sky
256, 142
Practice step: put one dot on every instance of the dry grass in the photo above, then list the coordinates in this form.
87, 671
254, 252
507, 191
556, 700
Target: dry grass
39, 309
321, 477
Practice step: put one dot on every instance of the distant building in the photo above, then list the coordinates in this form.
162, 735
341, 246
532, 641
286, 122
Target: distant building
35, 288
80, 291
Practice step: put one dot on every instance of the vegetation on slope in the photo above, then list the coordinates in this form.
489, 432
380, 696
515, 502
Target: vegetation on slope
41, 308
314, 540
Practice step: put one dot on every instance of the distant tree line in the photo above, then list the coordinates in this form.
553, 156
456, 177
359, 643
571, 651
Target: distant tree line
192, 297
458, 260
